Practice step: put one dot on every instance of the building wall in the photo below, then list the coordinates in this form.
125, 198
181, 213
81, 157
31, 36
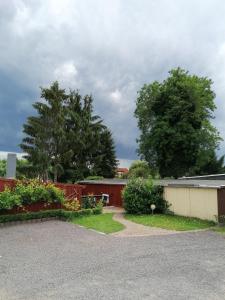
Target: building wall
114, 191
221, 201
193, 202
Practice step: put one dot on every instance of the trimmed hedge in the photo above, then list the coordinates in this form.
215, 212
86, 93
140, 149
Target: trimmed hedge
59, 213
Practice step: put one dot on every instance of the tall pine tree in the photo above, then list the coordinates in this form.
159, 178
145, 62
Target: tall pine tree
66, 140
105, 158
46, 138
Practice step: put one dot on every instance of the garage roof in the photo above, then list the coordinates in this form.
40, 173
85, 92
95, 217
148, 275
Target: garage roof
165, 182
115, 181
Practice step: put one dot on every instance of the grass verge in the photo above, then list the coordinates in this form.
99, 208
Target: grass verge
219, 229
103, 223
171, 222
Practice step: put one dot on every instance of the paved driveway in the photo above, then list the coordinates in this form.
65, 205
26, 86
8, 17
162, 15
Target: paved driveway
58, 260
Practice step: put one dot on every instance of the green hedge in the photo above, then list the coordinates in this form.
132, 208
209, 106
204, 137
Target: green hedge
59, 213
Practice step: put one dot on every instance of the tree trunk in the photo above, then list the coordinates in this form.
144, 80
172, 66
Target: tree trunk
55, 174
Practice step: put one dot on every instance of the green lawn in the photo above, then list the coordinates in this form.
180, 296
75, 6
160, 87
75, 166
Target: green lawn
171, 222
219, 229
103, 223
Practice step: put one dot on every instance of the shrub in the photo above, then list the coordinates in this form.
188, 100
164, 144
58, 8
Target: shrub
56, 195
72, 205
98, 209
34, 191
8, 199
88, 202
31, 216
59, 213
28, 192
139, 194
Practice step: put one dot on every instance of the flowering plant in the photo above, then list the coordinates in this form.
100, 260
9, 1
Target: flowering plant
73, 204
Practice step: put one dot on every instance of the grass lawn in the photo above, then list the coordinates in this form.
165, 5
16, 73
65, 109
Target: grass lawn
171, 222
103, 223
219, 229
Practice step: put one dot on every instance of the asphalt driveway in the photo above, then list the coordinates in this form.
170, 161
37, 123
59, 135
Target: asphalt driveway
58, 260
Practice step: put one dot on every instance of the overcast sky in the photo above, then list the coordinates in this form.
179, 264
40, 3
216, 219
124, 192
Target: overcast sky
109, 48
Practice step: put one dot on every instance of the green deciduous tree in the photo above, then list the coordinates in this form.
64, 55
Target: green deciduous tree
139, 168
174, 118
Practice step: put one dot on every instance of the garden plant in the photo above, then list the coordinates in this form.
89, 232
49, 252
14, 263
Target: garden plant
140, 194
27, 192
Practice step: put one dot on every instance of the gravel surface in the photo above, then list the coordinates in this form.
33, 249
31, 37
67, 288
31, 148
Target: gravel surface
58, 260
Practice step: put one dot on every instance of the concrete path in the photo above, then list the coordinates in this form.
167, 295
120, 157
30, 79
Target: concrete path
134, 229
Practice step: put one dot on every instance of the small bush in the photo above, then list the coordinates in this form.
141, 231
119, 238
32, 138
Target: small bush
139, 194
88, 202
8, 199
72, 205
98, 209
35, 191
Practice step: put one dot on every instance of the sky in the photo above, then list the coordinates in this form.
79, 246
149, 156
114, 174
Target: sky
107, 48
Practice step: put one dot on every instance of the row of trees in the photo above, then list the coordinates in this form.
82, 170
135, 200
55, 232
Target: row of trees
65, 140
174, 117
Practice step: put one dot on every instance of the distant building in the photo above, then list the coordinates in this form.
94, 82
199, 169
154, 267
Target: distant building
121, 171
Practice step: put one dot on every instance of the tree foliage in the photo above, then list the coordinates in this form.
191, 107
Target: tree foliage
65, 140
2, 167
208, 163
174, 118
139, 168
23, 169
105, 158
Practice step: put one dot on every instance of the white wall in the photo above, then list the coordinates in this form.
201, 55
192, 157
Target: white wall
193, 202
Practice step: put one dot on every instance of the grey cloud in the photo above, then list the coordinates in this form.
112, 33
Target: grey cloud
110, 49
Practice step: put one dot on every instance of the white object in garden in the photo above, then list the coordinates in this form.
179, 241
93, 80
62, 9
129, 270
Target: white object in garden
105, 197
11, 165
153, 207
